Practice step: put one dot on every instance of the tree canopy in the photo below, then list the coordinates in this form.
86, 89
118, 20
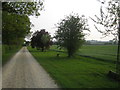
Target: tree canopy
15, 21
70, 33
23, 8
41, 40
14, 26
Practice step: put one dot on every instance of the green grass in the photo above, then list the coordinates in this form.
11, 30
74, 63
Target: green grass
102, 52
106, 52
76, 72
8, 53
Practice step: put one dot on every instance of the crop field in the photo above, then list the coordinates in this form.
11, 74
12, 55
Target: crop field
78, 71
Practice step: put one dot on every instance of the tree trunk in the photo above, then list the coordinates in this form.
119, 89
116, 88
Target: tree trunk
118, 51
42, 49
70, 54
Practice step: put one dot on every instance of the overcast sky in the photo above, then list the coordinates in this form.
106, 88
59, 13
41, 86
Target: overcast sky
55, 10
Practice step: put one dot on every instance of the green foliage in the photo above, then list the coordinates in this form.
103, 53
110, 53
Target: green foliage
16, 24
41, 39
45, 38
23, 8
8, 53
15, 21
70, 33
14, 27
77, 72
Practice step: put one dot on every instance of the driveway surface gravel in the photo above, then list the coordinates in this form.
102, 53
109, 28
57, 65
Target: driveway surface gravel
23, 71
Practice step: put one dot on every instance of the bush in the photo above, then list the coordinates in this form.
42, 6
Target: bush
8, 51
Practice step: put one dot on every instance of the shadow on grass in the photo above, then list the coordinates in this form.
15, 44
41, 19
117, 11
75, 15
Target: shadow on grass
62, 57
35, 51
110, 61
108, 54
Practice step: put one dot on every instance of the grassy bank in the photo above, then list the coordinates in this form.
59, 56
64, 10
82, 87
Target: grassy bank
77, 72
8, 52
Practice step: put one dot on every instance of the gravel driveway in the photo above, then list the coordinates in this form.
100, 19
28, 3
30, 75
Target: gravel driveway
23, 71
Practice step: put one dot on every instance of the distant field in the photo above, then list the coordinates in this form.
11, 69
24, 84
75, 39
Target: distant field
104, 52
75, 72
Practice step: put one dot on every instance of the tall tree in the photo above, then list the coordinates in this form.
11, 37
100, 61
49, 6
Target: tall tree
70, 33
14, 26
15, 20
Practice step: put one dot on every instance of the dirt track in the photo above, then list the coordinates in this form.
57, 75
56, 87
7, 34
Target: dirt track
23, 71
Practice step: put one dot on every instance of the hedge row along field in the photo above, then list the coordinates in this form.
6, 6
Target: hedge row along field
8, 52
